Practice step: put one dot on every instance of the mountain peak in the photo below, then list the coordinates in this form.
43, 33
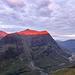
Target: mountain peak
27, 29
2, 33
32, 32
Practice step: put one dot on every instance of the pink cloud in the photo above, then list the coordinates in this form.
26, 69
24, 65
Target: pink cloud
15, 2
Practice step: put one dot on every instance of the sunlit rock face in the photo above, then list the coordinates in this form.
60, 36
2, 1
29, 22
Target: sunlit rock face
2, 33
32, 32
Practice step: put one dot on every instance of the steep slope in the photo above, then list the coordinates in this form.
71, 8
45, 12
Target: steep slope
49, 52
64, 48
30, 54
2, 34
69, 44
15, 58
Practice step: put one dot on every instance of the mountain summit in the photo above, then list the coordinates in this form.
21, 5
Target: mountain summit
32, 32
2, 33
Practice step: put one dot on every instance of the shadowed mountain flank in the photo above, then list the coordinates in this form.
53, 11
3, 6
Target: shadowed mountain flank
31, 54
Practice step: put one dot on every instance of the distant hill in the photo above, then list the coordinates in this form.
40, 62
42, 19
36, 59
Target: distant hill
29, 54
69, 44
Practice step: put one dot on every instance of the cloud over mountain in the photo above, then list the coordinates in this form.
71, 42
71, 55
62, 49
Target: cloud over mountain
57, 16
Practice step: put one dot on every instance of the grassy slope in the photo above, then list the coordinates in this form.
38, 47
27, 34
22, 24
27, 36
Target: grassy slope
70, 71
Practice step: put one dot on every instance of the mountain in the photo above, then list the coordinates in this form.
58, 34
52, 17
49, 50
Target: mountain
32, 32
24, 53
69, 44
2, 34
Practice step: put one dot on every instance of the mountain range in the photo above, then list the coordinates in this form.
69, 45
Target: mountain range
31, 52
69, 44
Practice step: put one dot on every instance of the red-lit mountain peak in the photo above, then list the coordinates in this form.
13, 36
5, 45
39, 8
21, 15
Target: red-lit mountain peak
2, 33
32, 32
43, 32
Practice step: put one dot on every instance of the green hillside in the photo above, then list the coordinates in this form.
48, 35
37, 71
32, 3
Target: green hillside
69, 71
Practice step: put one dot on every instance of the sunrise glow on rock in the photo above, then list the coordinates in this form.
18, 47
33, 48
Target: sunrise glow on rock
2, 33
32, 32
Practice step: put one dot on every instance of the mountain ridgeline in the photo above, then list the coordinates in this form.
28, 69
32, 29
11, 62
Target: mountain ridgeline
31, 52
2, 34
69, 44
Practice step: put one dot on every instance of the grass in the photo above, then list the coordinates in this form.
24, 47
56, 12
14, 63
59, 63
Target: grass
69, 71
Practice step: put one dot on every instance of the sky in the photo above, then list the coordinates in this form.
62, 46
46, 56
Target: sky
55, 16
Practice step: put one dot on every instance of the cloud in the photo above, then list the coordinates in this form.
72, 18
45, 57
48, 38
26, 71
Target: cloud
10, 26
56, 16
64, 37
71, 36
14, 3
